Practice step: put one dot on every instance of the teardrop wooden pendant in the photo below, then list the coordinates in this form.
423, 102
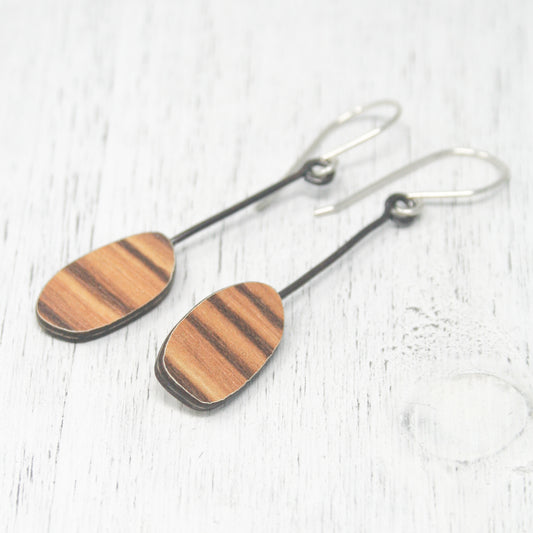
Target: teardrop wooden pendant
221, 344
107, 288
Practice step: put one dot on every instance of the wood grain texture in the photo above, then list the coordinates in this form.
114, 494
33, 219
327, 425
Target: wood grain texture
107, 288
117, 116
221, 344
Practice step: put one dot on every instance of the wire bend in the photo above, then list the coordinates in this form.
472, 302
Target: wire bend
418, 196
318, 170
332, 154
343, 119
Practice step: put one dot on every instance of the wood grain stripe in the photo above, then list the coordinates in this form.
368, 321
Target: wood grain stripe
241, 324
187, 383
46, 311
161, 273
108, 287
93, 285
221, 344
201, 369
265, 309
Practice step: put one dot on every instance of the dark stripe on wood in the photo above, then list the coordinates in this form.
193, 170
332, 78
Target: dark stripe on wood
94, 286
241, 325
186, 383
157, 270
158, 237
220, 346
107, 288
47, 313
171, 385
265, 310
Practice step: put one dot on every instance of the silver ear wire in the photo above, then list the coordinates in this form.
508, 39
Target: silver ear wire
345, 118
340, 121
418, 196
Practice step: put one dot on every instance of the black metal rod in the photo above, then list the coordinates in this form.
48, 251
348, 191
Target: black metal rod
387, 215
306, 172
234, 208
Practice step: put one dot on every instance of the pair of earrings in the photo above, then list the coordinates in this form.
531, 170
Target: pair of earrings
228, 337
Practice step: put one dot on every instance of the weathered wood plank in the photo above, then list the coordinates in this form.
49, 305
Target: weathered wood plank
119, 117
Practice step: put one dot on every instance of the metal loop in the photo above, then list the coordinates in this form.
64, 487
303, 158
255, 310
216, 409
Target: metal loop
318, 171
402, 209
502, 178
332, 154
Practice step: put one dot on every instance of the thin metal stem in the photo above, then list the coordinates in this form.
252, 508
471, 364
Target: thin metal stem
306, 172
390, 205
318, 170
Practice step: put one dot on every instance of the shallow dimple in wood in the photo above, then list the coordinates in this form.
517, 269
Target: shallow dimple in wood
466, 417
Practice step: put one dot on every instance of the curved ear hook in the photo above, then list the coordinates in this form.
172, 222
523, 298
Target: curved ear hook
418, 196
340, 121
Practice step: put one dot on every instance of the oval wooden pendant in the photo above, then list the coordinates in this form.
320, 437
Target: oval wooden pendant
107, 288
221, 344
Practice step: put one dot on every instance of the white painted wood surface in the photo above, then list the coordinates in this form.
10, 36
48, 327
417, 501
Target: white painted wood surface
400, 397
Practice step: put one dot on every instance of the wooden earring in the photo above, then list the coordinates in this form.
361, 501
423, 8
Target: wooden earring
223, 342
115, 284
